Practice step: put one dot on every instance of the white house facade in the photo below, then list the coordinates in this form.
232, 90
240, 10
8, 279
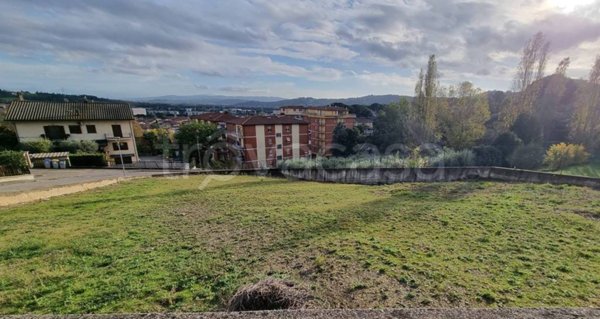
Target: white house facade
108, 124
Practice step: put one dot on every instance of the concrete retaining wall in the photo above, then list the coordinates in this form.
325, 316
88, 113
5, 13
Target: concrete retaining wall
445, 174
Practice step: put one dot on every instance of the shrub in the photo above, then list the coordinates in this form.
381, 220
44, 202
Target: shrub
12, 163
70, 146
87, 160
73, 146
528, 156
88, 147
507, 143
562, 155
8, 139
37, 146
452, 158
486, 155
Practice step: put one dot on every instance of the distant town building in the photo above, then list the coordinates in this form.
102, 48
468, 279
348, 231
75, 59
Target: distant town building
108, 124
366, 124
322, 123
139, 111
265, 141
219, 118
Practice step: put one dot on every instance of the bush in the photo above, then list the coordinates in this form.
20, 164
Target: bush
70, 146
37, 146
530, 156
562, 155
486, 155
87, 160
452, 158
12, 163
507, 143
73, 146
8, 139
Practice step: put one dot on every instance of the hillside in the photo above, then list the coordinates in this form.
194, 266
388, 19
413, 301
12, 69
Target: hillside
7, 96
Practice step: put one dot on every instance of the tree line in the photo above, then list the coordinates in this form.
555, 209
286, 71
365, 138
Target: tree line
519, 130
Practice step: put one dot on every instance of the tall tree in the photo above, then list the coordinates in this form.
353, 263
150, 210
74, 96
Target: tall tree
425, 108
526, 85
391, 125
563, 65
585, 124
463, 122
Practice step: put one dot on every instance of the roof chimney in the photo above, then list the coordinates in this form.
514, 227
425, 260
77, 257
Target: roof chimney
85, 99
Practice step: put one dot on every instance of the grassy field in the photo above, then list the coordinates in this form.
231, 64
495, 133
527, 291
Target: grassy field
165, 245
589, 170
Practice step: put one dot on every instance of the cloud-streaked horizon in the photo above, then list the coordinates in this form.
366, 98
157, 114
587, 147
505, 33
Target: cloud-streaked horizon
329, 48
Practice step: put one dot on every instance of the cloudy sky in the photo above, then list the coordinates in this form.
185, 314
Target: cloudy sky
321, 48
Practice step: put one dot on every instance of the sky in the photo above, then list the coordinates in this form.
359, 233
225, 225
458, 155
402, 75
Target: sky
320, 48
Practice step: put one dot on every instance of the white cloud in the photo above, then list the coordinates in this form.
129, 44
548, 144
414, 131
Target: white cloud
315, 45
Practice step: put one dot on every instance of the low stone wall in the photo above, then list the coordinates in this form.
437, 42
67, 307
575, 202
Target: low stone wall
455, 313
435, 174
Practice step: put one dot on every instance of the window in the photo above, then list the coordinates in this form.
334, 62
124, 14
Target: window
278, 134
75, 129
123, 146
269, 129
55, 132
288, 129
279, 157
91, 129
288, 139
278, 146
117, 132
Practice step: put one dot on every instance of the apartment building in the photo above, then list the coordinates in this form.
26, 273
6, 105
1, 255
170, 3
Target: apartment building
322, 122
265, 141
108, 124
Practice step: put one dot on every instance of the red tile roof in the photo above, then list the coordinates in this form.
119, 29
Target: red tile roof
215, 117
268, 120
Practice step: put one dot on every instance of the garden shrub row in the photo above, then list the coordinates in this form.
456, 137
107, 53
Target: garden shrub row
13, 163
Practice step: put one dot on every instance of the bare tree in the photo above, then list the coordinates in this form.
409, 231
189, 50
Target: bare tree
563, 66
526, 85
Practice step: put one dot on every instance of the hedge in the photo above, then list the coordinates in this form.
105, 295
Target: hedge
12, 163
87, 160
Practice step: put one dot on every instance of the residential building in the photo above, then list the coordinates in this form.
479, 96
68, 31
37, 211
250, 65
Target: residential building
366, 124
322, 123
219, 118
108, 124
265, 141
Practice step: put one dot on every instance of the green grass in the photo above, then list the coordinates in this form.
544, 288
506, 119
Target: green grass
588, 170
165, 245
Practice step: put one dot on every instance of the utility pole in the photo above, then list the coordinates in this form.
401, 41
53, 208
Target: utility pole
120, 154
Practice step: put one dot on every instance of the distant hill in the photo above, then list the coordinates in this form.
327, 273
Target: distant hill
206, 99
266, 101
309, 101
8, 96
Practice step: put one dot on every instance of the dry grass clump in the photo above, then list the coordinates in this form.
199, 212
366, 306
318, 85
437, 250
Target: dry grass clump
268, 294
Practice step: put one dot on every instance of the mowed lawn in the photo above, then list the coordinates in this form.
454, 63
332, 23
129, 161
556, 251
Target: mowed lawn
166, 245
